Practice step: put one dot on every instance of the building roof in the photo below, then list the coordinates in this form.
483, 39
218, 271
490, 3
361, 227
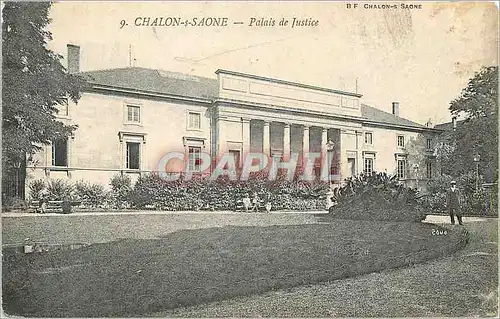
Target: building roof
444, 126
179, 84
157, 81
448, 125
372, 114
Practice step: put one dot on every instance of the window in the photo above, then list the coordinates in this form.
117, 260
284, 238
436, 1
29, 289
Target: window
63, 108
194, 120
401, 141
194, 158
401, 169
368, 166
429, 170
133, 114
368, 138
133, 155
429, 143
130, 144
60, 152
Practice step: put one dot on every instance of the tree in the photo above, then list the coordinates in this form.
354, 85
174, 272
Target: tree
478, 132
417, 154
34, 83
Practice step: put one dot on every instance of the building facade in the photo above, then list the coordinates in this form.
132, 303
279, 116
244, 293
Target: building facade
131, 117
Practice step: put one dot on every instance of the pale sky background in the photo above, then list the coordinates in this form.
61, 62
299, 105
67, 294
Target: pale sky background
421, 58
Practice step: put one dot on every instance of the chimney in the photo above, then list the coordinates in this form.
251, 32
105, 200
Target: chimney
454, 122
73, 58
395, 108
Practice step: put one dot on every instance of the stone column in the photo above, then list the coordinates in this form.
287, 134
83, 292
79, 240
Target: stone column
359, 159
326, 165
305, 144
324, 141
286, 142
245, 124
266, 146
305, 140
219, 141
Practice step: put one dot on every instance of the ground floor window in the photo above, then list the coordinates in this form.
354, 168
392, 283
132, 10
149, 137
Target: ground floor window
194, 158
368, 166
401, 169
60, 152
133, 155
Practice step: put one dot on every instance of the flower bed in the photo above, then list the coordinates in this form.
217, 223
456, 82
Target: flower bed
199, 193
224, 194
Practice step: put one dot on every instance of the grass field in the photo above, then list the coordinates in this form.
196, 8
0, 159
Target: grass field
68, 229
139, 276
464, 284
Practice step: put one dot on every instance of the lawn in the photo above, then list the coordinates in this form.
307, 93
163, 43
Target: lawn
74, 228
188, 267
464, 284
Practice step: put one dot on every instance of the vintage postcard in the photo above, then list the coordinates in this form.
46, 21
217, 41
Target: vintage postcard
250, 159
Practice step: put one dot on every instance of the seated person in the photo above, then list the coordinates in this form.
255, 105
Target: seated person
246, 203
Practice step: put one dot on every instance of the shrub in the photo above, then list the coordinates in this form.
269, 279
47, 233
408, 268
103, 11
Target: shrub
120, 181
36, 188
121, 187
492, 200
91, 194
59, 189
376, 197
13, 203
435, 201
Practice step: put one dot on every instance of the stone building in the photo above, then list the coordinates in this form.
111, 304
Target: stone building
131, 117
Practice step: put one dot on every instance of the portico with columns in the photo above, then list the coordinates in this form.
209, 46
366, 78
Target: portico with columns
280, 118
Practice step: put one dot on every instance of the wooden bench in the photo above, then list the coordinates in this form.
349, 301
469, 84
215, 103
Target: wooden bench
53, 206
239, 207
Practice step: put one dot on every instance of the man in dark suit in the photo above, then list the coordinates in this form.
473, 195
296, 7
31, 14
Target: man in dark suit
453, 203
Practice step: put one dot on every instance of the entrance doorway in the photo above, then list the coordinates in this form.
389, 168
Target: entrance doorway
351, 167
236, 156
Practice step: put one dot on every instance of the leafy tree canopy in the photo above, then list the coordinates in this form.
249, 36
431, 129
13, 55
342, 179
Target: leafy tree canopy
478, 133
34, 82
480, 97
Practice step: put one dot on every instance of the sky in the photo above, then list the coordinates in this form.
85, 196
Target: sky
421, 58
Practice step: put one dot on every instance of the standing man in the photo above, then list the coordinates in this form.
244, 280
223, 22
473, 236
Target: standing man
453, 203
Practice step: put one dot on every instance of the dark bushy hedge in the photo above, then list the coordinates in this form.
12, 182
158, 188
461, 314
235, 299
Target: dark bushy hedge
376, 197
201, 193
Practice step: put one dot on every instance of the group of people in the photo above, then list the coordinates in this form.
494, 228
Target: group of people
252, 205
